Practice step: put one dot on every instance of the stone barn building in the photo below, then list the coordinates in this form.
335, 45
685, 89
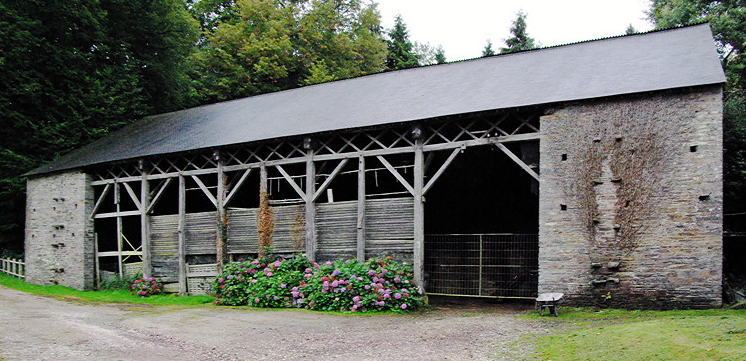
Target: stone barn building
593, 169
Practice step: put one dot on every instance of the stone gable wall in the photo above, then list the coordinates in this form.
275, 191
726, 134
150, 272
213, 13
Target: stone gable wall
631, 200
59, 231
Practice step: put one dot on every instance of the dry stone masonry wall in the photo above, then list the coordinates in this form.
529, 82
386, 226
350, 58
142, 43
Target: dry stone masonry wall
631, 200
59, 230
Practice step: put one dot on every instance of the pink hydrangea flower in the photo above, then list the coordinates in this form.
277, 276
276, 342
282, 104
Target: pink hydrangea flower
397, 295
403, 306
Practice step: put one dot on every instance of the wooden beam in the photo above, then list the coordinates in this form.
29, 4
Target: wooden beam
518, 161
158, 195
419, 216
361, 209
368, 153
117, 214
205, 190
329, 179
441, 170
310, 205
133, 196
396, 173
237, 186
182, 236
100, 200
292, 183
116, 254
145, 225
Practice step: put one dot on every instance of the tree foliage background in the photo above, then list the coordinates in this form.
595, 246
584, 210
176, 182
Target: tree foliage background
727, 19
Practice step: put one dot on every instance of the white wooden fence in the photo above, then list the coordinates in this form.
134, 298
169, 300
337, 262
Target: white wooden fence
13, 267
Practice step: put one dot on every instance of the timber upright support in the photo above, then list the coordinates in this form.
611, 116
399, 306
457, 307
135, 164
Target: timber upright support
310, 204
147, 268
361, 209
419, 209
221, 253
182, 236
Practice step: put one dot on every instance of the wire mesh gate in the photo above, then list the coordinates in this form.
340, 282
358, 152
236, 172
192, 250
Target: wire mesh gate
484, 265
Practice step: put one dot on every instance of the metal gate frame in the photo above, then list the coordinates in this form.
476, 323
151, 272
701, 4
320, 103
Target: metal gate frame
495, 265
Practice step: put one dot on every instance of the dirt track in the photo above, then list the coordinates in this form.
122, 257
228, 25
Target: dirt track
40, 328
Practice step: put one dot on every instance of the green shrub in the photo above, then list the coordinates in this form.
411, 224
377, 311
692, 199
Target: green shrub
349, 285
146, 287
118, 282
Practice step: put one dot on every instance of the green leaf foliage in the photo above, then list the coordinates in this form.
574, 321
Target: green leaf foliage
727, 19
401, 52
74, 70
488, 51
343, 285
272, 45
519, 39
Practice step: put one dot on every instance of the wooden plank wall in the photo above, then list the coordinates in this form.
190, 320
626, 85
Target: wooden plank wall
389, 228
336, 229
389, 231
164, 247
242, 234
242, 231
201, 233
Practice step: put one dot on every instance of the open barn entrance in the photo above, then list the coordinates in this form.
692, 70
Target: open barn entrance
481, 225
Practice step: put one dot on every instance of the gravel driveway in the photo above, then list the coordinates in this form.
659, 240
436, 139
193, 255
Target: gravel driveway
41, 328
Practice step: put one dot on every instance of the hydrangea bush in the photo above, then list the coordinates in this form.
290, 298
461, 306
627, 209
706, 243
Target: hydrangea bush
146, 287
343, 285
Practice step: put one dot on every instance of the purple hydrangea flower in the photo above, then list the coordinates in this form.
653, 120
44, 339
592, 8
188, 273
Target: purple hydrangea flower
403, 306
397, 279
294, 289
335, 284
371, 272
283, 285
278, 264
295, 294
268, 274
404, 290
384, 271
229, 277
275, 298
336, 272
356, 299
386, 295
308, 270
328, 263
397, 295
254, 281
367, 287
256, 300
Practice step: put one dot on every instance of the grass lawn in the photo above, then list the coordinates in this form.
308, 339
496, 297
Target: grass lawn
718, 334
118, 296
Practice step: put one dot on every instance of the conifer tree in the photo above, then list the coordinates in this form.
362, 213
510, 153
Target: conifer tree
519, 39
401, 54
488, 51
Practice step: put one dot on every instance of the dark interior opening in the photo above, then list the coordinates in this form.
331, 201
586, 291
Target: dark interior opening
483, 191
481, 224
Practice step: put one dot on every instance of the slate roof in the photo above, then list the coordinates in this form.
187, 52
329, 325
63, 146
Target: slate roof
657, 60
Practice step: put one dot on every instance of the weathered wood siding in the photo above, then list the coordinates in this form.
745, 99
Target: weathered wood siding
336, 229
201, 233
242, 231
389, 228
164, 247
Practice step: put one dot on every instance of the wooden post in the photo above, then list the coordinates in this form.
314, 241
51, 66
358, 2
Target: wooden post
182, 235
310, 204
147, 268
262, 180
222, 224
419, 215
117, 195
361, 209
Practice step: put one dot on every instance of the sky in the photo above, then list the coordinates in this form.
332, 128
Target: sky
462, 27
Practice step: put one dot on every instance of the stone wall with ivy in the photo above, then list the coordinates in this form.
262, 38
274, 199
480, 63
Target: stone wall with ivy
631, 200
